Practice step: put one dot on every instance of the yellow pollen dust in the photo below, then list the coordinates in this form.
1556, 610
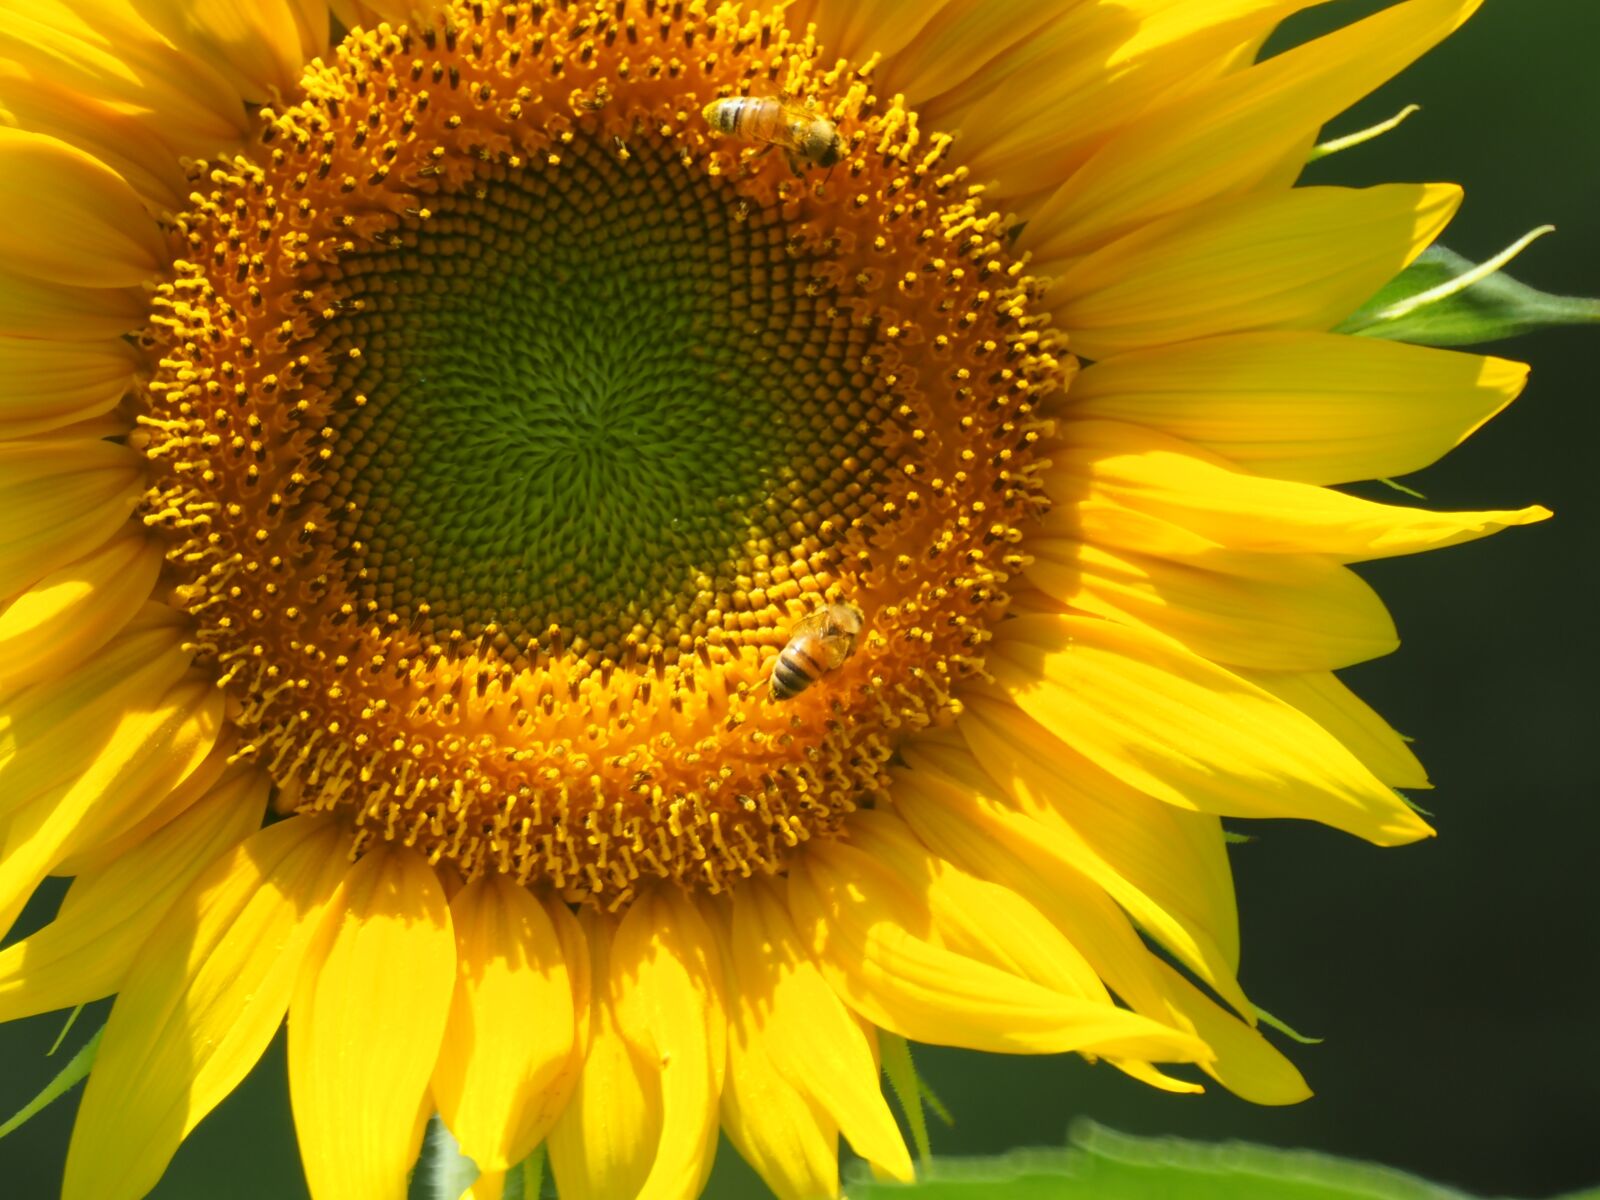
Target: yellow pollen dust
510, 420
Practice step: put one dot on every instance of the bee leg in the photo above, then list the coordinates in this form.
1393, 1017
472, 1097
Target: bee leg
794, 164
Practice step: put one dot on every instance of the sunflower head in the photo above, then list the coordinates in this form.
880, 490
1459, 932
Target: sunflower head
592, 509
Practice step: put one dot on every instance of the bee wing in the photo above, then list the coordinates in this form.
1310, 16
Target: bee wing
812, 624
835, 649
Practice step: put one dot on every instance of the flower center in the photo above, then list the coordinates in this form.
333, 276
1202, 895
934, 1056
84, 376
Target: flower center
511, 421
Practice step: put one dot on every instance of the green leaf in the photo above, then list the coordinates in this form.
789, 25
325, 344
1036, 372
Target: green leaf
1443, 299
1100, 1164
64, 1081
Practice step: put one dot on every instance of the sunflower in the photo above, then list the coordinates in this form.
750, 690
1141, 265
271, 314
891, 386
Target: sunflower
423, 430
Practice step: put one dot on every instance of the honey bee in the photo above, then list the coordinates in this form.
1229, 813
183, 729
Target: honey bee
806, 136
818, 643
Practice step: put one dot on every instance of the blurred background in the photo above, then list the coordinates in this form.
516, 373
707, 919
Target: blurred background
1455, 982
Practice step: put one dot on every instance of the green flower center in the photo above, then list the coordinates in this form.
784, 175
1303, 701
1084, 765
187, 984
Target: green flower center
587, 395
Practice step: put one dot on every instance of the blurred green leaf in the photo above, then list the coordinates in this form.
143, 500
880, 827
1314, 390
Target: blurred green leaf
1443, 299
66, 1078
1100, 1164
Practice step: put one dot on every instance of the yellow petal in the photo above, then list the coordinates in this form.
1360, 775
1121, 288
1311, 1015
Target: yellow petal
52, 731
1312, 407
958, 41
982, 833
1168, 868
62, 499
1328, 702
34, 308
260, 48
1028, 117
45, 385
1187, 732
87, 950
1245, 1063
204, 997
108, 54
1234, 133
73, 612
788, 1138
510, 1055
1002, 844
863, 28
804, 1049
150, 751
977, 918
365, 1024
116, 837
672, 1011
605, 1140
1123, 485
875, 940
67, 218
1284, 612
1301, 259
115, 136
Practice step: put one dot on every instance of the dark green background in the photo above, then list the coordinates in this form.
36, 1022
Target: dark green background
1455, 982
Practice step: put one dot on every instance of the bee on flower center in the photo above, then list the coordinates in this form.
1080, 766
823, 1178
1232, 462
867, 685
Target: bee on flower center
806, 136
818, 644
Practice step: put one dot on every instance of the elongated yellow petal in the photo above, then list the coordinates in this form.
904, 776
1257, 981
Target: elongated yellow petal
983, 835
1246, 1063
672, 1010
1028, 117
45, 385
801, 1042
149, 752
961, 40
1124, 485
605, 1140
1328, 702
1181, 729
510, 1056
789, 1138
204, 997
87, 950
1284, 612
66, 217
365, 1024
1312, 407
1301, 259
876, 942
1167, 868
861, 29
1225, 138
110, 133
73, 612
52, 731
109, 55
62, 499
259, 47
980, 919
34, 308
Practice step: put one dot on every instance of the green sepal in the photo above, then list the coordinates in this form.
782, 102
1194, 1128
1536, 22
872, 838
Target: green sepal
1100, 1164
69, 1075
911, 1090
442, 1172
525, 1181
1443, 299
